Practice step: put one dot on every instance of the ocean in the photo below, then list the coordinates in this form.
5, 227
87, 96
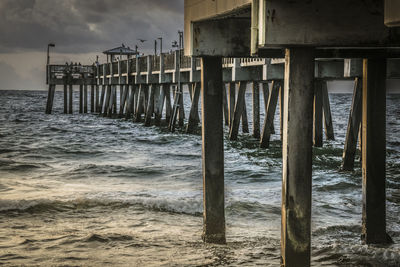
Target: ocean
83, 190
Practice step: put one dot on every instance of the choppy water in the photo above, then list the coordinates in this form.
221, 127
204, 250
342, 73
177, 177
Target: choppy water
87, 191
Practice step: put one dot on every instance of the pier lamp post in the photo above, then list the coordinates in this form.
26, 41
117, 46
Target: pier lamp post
160, 38
48, 60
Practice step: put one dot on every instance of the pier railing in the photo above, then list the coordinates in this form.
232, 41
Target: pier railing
162, 69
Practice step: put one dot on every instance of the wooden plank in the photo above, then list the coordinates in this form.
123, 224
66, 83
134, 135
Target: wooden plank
297, 158
239, 106
374, 152
270, 114
212, 151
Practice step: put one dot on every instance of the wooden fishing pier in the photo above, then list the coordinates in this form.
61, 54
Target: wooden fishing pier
288, 50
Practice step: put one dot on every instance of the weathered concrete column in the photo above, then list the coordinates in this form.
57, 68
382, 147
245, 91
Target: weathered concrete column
92, 109
102, 96
353, 127
231, 100
225, 104
65, 95
329, 133
374, 151
81, 98
85, 99
50, 98
96, 102
213, 150
194, 110
256, 109
317, 130
297, 157
71, 98
270, 114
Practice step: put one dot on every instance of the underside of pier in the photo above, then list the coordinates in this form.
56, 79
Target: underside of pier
301, 32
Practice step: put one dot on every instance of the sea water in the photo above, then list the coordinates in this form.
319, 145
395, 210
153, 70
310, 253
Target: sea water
83, 190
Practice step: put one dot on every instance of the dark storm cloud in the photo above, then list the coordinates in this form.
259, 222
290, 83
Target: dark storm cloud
86, 25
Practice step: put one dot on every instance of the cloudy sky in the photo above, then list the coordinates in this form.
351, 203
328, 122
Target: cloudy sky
81, 29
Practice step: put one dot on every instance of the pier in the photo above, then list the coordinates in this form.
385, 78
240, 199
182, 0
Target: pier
289, 63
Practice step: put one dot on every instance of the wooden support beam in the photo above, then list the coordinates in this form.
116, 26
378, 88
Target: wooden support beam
71, 98
239, 107
212, 151
231, 101
353, 127
225, 105
150, 106
80, 98
297, 157
92, 109
374, 152
270, 114
65, 96
317, 114
194, 110
85, 99
256, 109
327, 112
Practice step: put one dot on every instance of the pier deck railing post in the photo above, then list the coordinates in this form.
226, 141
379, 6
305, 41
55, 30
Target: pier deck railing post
297, 157
374, 151
212, 150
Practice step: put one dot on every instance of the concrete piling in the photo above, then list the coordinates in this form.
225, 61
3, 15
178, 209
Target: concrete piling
85, 99
353, 127
317, 114
297, 157
65, 91
194, 110
71, 98
374, 151
239, 110
256, 109
212, 151
231, 101
270, 114
80, 98
329, 133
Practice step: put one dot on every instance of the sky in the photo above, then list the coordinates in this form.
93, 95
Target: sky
80, 29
